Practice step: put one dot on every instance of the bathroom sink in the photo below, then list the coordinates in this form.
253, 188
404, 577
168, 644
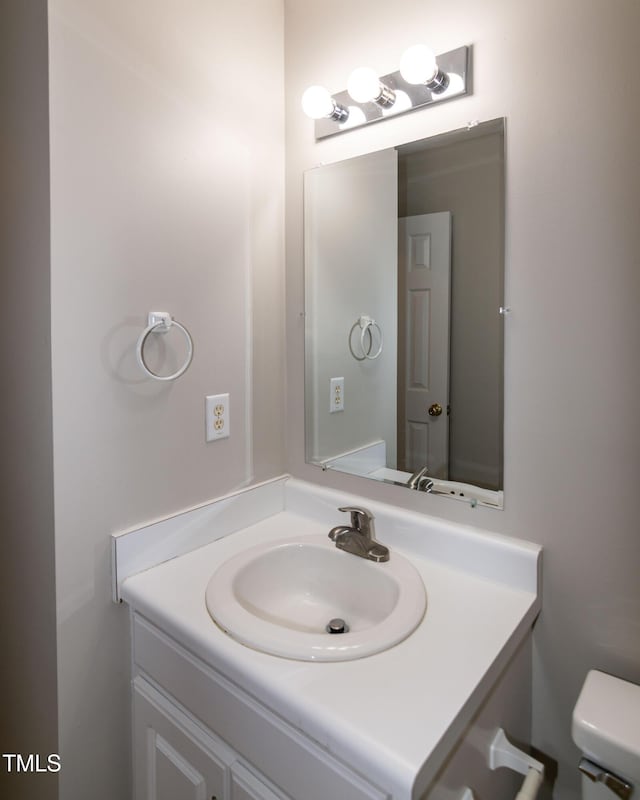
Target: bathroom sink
280, 597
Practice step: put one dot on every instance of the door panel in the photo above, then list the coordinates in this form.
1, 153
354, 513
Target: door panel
424, 267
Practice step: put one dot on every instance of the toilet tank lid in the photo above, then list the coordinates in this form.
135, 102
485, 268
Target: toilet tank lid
606, 723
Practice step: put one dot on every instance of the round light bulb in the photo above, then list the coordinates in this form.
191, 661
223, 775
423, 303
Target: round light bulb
364, 85
418, 64
317, 102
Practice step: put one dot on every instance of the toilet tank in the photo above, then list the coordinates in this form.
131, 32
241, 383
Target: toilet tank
606, 727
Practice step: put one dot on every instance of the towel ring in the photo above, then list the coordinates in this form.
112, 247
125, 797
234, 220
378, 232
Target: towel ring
366, 325
162, 322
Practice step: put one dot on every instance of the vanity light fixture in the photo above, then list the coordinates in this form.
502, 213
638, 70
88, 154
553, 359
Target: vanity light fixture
423, 79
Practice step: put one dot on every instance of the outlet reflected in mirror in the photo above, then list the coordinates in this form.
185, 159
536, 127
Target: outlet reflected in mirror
404, 276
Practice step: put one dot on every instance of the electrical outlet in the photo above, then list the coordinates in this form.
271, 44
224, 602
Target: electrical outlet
336, 395
216, 417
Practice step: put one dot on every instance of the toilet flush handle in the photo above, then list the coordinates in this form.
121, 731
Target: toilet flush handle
598, 774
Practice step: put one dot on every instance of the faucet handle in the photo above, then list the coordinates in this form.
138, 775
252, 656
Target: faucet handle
414, 480
361, 518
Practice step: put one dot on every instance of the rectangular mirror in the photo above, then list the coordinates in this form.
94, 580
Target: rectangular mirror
404, 341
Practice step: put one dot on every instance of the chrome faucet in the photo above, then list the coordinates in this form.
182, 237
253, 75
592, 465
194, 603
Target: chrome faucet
420, 481
358, 537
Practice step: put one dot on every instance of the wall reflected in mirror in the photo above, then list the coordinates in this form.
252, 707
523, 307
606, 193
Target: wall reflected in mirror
404, 340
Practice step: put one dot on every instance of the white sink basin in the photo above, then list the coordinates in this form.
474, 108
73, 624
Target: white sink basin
279, 598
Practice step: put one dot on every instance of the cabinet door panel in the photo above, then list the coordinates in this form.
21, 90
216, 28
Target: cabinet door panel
174, 759
169, 774
246, 786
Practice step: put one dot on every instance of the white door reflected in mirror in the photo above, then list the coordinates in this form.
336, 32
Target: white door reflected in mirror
424, 271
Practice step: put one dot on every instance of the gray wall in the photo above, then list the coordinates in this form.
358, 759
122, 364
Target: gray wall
27, 577
572, 279
166, 194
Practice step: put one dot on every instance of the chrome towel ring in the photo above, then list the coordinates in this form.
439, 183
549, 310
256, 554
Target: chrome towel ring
367, 326
162, 322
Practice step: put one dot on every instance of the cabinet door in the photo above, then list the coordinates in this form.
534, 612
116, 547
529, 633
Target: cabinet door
246, 786
174, 759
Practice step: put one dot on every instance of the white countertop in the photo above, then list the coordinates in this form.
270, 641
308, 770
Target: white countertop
395, 715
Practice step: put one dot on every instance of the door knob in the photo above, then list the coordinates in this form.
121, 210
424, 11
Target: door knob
435, 409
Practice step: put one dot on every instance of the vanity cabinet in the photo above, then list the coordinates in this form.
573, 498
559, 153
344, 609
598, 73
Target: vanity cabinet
197, 736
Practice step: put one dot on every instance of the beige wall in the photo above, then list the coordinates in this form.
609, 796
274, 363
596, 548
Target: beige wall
562, 75
166, 193
27, 577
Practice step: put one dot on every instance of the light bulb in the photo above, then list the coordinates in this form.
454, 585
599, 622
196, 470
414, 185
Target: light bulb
364, 85
418, 64
317, 102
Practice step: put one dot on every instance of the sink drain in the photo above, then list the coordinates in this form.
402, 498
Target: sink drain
337, 625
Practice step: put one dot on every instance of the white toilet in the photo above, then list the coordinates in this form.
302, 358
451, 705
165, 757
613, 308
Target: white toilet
606, 727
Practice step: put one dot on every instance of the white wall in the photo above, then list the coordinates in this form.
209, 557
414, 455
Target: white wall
166, 193
562, 75
27, 570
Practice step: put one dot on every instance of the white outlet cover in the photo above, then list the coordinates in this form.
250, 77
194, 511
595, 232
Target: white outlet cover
217, 420
336, 395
